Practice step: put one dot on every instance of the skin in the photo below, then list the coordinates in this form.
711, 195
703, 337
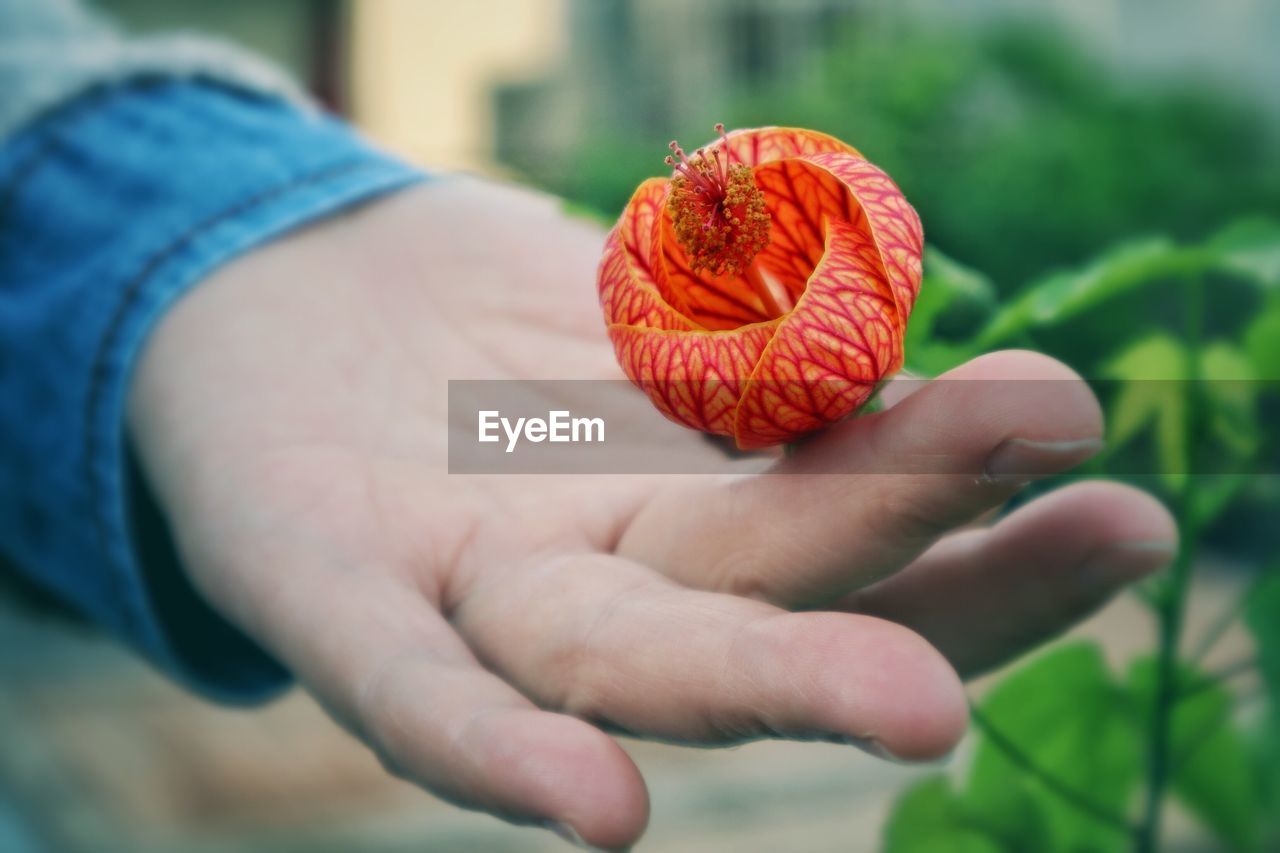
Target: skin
481, 633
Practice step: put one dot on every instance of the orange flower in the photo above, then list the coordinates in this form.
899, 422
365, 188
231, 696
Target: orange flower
763, 290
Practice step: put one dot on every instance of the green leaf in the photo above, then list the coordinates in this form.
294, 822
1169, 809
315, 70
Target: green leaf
1209, 763
1265, 750
1066, 294
1216, 785
1158, 357
1152, 394
1216, 494
1231, 391
960, 282
1230, 401
948, 288
1250, 249
1063, 712
930, 817
1262, 342
1262, 615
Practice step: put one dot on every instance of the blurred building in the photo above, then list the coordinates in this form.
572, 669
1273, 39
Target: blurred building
421, 72
637, 66
306, 37
414, 74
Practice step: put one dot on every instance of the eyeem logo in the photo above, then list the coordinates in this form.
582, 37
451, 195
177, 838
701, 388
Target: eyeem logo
559, 427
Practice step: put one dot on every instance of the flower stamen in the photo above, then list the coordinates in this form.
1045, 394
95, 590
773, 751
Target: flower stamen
717, 210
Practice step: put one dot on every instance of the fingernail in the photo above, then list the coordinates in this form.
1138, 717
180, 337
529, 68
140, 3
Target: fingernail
1021, 460
1126, 562
871, 746
569, 834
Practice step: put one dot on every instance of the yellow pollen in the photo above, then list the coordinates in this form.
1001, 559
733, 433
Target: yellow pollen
717, 211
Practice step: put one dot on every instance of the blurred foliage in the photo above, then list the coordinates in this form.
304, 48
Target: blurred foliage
1190, 395
1057, 766
1212, 777
1139, 357
1089, 757
1021, 152
1094, 750
1263, 617
1023, 155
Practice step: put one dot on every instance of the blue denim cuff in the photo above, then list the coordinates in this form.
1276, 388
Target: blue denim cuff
110, 209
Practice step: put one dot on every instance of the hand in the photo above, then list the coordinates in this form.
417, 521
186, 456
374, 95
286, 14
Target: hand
479, 632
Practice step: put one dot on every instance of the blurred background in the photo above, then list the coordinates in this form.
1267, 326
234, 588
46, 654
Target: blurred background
1040, 143
1028, 135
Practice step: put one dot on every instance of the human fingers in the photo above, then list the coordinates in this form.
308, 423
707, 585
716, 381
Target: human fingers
863, 499
984, 596
612, 642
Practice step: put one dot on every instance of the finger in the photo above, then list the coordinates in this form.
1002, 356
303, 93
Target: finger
865, 498
982, 597
611, 641
391, 668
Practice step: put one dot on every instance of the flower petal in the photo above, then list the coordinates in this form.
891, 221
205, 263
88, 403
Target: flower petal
754, 146
830, 351
694, 378
895, 226
800, 198
629, 293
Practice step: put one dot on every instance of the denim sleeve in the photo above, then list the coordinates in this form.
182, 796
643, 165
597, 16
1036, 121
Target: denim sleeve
110, 209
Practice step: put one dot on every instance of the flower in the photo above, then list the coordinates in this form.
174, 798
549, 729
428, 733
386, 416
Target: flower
762, 290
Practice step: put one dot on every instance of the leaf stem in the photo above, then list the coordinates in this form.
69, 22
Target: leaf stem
1202, 736
1028, 765
1171, 606
1217, 677
1219, 628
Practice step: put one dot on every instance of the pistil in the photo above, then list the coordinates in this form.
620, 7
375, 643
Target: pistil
717, 211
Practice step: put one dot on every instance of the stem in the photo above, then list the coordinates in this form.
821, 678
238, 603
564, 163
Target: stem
757, 282
1202, 736
1217, 677
1219, 628
1028, 765
1158, 744
1171, 606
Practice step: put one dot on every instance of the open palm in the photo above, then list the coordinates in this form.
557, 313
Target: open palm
480, 632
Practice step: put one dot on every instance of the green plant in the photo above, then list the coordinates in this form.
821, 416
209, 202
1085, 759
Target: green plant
1020, 149
1071, 755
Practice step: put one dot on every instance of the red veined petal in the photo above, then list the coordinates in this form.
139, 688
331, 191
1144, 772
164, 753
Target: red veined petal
635, 226
754, 146
628, 292
894, 224
801, 192
800, 198
829, 353
695, 378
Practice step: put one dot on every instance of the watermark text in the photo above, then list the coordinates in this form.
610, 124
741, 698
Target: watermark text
559, 426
